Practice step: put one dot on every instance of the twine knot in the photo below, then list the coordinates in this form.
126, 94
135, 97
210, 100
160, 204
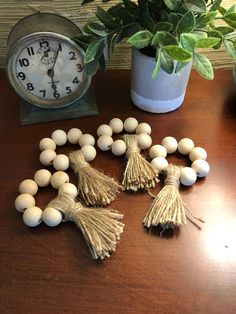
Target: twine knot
132, 150
172, 181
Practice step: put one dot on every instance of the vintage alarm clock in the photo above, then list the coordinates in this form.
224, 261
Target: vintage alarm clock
46, 67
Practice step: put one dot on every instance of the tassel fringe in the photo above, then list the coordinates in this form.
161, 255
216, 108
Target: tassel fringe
100, 227
94, 187
139, 173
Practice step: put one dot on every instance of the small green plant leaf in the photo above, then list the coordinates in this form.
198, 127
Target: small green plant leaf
230, 19
205, 19
215, 5
221, 10
158, 38
167, 64
188, 41
173, 18
180, 66
163, 26
94, 50
216, 34
140, 39
158, 63
230, 10
230, 48
195, 5
178, 53
207, 42
172, 4
224, 30
203, 66
91, 67
106, 18
97, 28
186, 23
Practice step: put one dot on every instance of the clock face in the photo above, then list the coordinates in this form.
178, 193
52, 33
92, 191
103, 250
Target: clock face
47, 70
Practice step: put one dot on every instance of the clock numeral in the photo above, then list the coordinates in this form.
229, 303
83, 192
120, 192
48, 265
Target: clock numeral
72, 54
44, 44
79, 67
75, 80
43, 91
68, 89
21, 75
30, 86
30, 51
24, 62
56, 94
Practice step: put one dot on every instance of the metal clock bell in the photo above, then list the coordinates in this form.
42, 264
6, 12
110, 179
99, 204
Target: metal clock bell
46, 69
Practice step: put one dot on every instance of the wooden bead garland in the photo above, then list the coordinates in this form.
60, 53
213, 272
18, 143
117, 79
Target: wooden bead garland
100, 227
94, 187
139, 173
168, 209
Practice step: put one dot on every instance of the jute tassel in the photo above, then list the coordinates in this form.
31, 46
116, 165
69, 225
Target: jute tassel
168, 209
139, 173
100, 227
94, 187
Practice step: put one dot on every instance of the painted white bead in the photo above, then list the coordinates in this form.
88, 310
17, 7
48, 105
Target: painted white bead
144, 141
117, 125
130, 124
42, 177
86, 139
170, 144
52, 217
188, 176
68, 188
28, 186
104, 142
185, 145
47, 143
59, 137
46, 157
58, 178
104, 129
24, 201
89, 152
157, 151
201, 167
73, 135
160, 163
197, 153
32, 216
61, 162
143, 128
118, 148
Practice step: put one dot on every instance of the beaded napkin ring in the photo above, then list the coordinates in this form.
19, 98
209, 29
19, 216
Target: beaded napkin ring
168, 209
139, 173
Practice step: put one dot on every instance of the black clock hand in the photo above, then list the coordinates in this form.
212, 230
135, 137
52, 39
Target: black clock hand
51, 71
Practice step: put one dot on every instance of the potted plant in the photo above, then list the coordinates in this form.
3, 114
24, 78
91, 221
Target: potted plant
165, 36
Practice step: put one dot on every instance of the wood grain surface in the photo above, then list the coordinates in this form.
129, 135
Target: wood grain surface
49, 270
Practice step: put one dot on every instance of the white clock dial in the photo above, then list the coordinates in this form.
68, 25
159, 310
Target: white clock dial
48, 70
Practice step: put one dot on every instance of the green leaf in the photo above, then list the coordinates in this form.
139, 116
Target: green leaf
188, 41
186, 23
217, 34
163, 26
94, 50
195, 5
203, 66
178, 53
207, 42
173, 18
221, 10
158, 63
169, 40
97, 28
157, 38
180, 66
167, 64
140, 39
230, 10
106, 18
224, 30
91, 67
230, 19
205, 19
215, 5
172, 4
230, 48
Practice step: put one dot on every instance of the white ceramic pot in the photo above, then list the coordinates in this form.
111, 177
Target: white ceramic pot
162, 94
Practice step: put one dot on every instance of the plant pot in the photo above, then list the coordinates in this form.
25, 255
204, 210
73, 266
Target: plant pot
162, 94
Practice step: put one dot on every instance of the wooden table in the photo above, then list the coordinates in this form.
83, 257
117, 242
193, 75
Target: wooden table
49, 270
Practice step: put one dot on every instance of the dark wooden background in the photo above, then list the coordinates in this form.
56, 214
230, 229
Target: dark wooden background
49, 270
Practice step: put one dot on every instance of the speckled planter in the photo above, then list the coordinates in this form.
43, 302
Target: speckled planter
164, 93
